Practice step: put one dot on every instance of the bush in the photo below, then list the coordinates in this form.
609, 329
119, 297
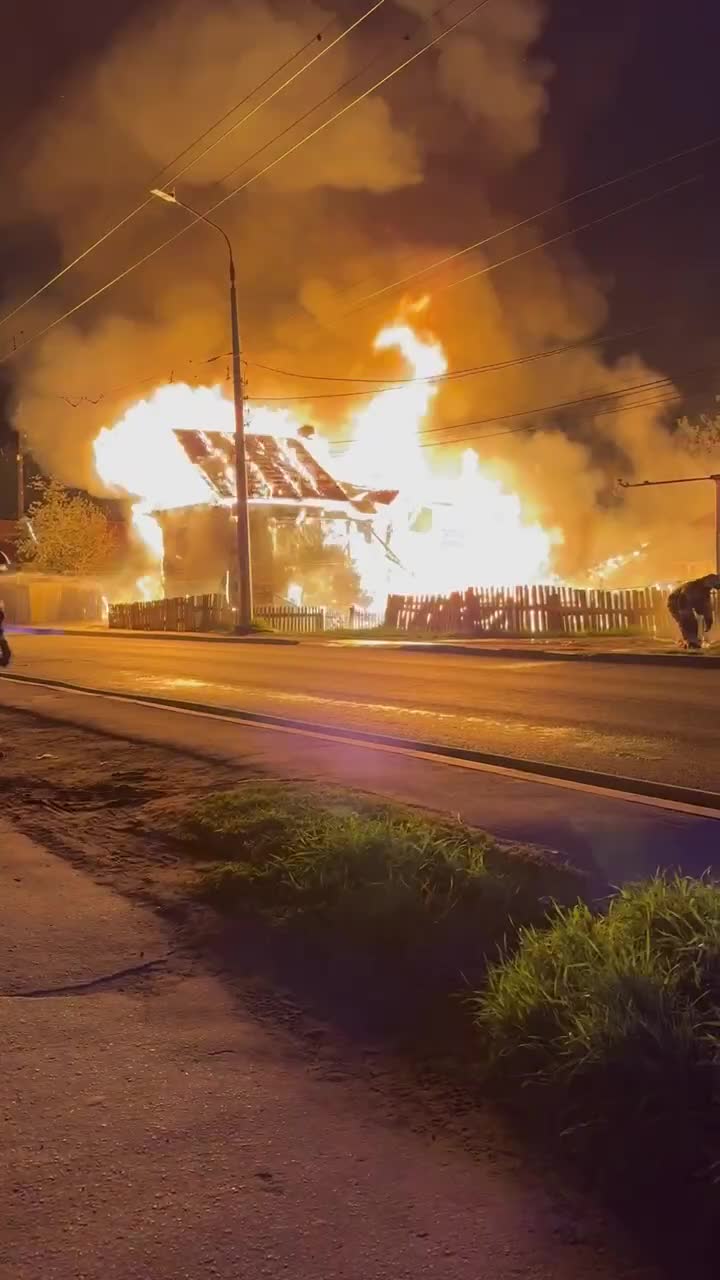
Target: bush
67, 533
379, 870
617, 1017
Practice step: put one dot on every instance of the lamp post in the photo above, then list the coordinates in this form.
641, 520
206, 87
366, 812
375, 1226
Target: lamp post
244, 565
647, 484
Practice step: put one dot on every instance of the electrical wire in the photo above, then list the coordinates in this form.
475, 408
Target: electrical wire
144, 204
513, 431
379, 383
376, 387
75, 399
493, 435
323, 101
653, 384
541, 213
261, 173
301, 71
306, 114
380, 389
397, 384
571, 231
664, 384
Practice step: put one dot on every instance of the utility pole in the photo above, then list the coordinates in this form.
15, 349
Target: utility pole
20, 474
242, 528
242, 523
647, 484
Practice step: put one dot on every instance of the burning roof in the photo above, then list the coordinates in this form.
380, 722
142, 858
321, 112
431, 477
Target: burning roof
280, 468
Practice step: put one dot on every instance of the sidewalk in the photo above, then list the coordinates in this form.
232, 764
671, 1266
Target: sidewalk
155, 1129
611, 649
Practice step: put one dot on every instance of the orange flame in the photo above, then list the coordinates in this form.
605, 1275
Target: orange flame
452, 525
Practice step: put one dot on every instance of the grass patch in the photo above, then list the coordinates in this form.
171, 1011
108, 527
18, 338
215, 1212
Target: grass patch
601, 1031
383, 873
615, 1021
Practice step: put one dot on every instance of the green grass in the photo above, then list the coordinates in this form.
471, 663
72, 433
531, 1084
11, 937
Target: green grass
615, 1020
382, 872
601, 1030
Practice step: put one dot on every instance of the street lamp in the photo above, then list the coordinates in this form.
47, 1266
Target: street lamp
244, 568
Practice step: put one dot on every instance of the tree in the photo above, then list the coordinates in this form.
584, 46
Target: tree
66, 533
700, 436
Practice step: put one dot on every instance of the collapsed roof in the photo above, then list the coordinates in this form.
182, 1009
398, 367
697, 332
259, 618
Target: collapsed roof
281, 469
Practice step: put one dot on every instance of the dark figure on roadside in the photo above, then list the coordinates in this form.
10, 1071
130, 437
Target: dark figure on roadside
692, 602
5, 654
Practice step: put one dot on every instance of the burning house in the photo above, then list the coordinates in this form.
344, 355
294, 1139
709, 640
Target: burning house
303, 523
392, 521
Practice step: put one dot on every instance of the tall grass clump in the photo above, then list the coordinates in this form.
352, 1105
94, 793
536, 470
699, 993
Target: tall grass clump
382, 871
615, 1020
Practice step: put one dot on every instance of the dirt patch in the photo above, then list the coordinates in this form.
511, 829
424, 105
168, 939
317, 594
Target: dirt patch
115, 809
84, 795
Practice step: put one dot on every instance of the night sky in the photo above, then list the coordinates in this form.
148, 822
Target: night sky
633, 81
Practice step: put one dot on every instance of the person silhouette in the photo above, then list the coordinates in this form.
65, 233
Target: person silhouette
690, 603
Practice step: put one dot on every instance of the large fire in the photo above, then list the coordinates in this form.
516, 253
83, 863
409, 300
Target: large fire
451, 526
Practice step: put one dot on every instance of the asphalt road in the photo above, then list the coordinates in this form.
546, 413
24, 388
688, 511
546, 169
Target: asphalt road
648, 722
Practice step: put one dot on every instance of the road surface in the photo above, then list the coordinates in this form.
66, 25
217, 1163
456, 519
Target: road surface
650, 722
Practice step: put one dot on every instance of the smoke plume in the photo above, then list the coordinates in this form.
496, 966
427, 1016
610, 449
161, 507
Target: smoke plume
414, 172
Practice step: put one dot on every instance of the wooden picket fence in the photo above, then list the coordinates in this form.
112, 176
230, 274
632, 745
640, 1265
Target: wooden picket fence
533, 611
179, 613
296, 620
212, 613
482, 611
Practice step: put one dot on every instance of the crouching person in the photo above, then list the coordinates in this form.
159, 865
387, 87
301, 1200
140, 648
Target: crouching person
690, 604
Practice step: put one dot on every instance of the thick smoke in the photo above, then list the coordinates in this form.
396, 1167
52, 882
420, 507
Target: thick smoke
487, 67
417, 170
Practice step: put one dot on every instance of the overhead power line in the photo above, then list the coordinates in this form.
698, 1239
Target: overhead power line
630, 389
385, 385
661, 385
513, 431
533, 217
301, 71
376, 386
166, 181
571, 231
314, 39
20, 346
381, 51
396, 384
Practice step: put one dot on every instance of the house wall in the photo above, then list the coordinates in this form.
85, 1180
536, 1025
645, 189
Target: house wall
200, 552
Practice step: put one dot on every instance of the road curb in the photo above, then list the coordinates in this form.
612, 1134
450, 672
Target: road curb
555, 655
645, 789
678, 660
201, 637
